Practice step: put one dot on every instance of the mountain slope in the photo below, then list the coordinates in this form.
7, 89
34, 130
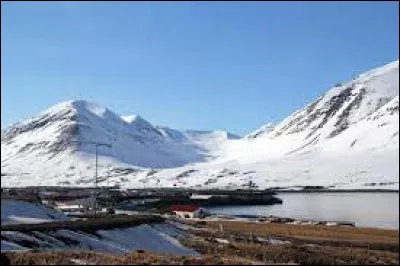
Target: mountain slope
264, 130
55, 142
348, 137
342, 106
64, 123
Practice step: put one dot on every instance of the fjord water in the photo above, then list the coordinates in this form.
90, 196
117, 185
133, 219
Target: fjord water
366, 209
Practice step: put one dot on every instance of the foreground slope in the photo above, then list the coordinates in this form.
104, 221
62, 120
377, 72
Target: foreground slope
153, 237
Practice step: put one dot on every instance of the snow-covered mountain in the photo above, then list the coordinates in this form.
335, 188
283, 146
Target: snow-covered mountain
348, 137
342, 106
341, 118
55, 141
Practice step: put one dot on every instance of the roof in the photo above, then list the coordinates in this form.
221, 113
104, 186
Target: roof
184, 208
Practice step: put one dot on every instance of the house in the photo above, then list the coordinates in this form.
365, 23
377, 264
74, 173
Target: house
187, 211
71, 208
77, 205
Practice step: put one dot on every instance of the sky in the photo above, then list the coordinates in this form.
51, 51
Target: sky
231, 66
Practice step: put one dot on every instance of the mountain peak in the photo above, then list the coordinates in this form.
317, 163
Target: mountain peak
137, 121
131, 118
392, 66
79, 106
346, 137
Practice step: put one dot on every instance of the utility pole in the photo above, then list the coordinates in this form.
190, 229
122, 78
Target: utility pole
96, 144
108, 196
108, 176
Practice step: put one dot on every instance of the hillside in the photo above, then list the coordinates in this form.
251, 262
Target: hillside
347, 138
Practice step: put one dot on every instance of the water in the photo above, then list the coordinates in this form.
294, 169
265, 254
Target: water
367, 209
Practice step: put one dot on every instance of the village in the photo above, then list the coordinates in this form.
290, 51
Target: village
83, 203
201, 236
98, 216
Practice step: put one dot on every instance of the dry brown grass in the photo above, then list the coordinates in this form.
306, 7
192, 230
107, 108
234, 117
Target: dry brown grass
316, 232
135, 258
331, 245
298, 254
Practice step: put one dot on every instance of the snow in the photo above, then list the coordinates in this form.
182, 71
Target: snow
146, 238
156, 238
14, 211
222, 241
51, 240
170, 229
20, 237
347, 138
91, 242
129, 118
67, 207
159, 238
79, 262
9, 246
199, 196
143, 237
264, 130
44, 146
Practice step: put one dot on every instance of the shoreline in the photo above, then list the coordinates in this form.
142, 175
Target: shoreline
299, 189
290, 221
339, 191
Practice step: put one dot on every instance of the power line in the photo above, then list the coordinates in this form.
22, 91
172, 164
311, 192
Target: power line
96, 144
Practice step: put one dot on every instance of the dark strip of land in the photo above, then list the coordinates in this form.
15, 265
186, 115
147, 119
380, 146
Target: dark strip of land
338, 191
87, 225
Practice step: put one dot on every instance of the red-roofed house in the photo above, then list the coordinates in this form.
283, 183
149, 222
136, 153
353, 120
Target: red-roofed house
187, 211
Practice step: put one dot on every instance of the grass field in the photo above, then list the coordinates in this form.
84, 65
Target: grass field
134, 258
236, 244
316, 232
308, 245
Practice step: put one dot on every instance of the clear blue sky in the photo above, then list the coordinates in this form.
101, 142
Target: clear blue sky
188, 65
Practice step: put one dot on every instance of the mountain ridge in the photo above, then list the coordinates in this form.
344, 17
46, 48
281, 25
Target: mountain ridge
357, 121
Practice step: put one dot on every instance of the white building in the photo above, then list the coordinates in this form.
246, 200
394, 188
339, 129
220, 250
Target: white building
187, 211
